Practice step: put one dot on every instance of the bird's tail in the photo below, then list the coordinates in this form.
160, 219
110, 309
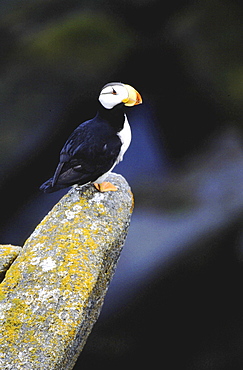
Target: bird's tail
48, 187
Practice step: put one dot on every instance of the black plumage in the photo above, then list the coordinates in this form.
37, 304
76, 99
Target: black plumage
90, 151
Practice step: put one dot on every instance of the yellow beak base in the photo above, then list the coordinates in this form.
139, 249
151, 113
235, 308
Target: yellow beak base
134, 98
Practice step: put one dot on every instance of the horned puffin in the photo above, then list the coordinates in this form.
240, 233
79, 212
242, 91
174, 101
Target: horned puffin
96, 146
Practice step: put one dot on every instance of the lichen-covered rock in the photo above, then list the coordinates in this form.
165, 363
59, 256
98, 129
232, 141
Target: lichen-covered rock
52, 294
8, 253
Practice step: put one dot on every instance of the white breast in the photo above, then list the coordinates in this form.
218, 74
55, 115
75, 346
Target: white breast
125, 136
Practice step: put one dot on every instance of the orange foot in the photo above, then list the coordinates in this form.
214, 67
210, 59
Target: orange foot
105, 186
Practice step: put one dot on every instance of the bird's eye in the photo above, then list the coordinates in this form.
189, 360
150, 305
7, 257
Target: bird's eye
114, 92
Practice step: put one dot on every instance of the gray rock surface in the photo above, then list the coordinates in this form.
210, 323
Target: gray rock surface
8, 253
53, 292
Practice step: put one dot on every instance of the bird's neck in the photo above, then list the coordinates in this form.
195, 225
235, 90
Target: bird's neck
115, 116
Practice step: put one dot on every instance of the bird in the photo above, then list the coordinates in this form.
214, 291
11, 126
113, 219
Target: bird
97, 145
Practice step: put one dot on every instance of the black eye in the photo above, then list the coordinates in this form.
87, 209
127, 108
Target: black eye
114, 91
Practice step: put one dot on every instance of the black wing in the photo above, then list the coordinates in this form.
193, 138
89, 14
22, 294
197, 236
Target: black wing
90, 151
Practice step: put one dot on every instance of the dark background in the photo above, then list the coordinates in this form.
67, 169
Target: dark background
175, 301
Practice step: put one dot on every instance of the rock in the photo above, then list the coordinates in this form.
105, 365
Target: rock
53, 292
8, 253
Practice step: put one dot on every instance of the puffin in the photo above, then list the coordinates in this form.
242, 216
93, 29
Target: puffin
96, 146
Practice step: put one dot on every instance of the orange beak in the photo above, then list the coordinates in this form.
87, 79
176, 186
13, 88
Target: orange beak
134, 98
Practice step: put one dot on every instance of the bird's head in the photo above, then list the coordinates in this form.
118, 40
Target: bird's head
115, 93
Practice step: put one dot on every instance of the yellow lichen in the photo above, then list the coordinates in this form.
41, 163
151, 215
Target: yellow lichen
2, 295
59, 277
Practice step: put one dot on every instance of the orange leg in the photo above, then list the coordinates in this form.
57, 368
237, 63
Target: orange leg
105, 186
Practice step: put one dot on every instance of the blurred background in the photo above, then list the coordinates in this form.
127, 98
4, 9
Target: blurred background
175, 299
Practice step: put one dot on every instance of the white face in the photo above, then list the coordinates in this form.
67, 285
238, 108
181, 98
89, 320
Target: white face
113, 94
